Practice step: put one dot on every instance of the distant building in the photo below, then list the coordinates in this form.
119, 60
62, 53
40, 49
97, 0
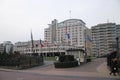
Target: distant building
20, 47
104, 38
8, 47
1, 48
118, 30
26, 47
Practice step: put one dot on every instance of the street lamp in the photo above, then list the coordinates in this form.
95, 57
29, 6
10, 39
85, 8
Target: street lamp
118, 55
117, 38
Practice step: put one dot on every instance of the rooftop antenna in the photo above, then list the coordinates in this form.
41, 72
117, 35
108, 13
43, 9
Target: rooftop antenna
107, 20
70, 14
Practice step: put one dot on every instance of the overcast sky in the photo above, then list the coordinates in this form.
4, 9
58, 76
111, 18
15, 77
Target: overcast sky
18, 17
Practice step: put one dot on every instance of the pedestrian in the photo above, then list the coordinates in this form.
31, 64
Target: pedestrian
78, 61
57, 58
114, 67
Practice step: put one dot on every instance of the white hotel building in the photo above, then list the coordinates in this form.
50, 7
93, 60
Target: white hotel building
57, 32
76, 28
55, 41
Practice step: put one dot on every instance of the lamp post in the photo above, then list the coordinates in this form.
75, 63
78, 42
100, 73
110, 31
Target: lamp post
117, 38
118, 55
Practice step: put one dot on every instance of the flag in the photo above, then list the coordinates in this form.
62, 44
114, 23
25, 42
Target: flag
55, 43
41, 44
32, 39
67, 34
46, 43
88, 38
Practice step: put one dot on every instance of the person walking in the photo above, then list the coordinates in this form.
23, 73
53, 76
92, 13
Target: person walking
114, 67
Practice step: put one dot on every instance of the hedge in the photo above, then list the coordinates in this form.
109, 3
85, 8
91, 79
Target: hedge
20, 61
66, 58
68, 64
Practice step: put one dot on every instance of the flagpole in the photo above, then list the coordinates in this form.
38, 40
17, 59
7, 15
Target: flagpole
40, 50
40, 47
32, 43
31, 47
67, 37
70, 14
60, 43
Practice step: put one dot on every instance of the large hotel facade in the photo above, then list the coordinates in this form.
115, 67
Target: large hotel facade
78, 35
104, 38
59, 37
56, 33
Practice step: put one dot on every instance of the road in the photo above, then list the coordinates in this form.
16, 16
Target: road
84, 72
32, 76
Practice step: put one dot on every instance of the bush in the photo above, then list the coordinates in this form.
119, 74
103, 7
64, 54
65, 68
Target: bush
68, 64
66, 58
66, 61
62, 58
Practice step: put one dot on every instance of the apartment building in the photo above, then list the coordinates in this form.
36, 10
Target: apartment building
104, 38
1, 48
118, 30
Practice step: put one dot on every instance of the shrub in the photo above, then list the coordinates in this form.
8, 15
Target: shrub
69, 58
62, 58
68, 64
66, 58
66, 61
